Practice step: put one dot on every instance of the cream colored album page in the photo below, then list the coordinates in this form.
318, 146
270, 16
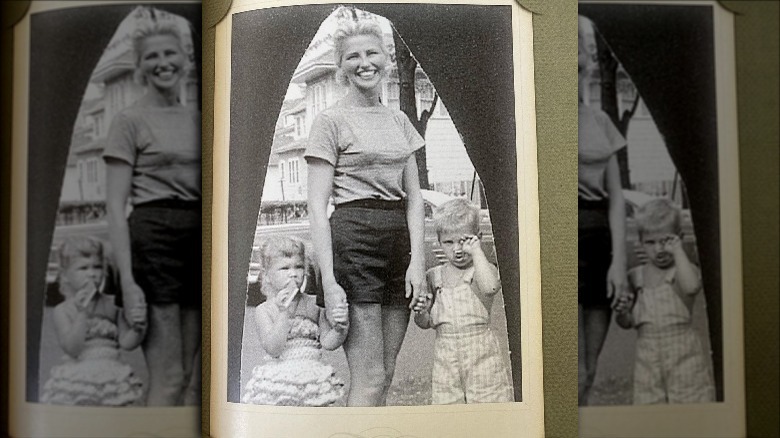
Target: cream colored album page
352, 107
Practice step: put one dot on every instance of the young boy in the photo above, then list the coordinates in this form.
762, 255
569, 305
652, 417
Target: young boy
671, 365
467, 365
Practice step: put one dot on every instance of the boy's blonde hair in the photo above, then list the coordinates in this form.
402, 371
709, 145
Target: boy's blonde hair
456, 214
274, 247
658, 214
145, 31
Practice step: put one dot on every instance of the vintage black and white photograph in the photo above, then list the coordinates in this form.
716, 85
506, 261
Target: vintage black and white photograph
114, 207
371, 273
650, 292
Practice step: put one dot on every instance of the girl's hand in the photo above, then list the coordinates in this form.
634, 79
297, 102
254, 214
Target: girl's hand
134, 303
423, 303
617, 283
415, 282
624, 302
137, 318
340, 315
335, 298
286, 299
84, 296
471, 244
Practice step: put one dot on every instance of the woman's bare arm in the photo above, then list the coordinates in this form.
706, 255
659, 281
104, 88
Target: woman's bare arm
415, 218
616, 276
320, 188
119, 176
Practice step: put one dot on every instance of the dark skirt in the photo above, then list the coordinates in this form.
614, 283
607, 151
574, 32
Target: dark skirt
594, 253
165, 241
371, 253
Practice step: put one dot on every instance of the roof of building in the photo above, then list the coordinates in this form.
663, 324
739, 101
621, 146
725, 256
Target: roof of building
118, 66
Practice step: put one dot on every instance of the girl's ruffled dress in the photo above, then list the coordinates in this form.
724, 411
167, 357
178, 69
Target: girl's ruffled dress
96, 377
298, 377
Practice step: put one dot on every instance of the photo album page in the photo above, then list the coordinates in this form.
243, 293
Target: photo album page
375, 224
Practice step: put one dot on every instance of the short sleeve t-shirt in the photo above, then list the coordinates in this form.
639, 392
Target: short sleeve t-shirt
368, 148
598, 140
162, 144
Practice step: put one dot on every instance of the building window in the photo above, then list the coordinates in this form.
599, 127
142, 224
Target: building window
300, 128
318, 98
393, 93
292, 168
91, 170
425, 94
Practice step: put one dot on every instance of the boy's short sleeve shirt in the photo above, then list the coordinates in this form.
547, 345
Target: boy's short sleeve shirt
368, 148
598, 140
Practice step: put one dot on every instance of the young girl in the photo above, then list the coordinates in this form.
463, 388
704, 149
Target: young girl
293, 329
671, 365
91, 330
467, 364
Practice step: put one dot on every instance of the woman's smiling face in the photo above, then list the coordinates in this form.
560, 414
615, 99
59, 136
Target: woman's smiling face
162, 61
363, 62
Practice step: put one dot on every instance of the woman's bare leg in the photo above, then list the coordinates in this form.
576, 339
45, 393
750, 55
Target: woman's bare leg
596, 325
364, 348
191, 334
395, 321
163, 351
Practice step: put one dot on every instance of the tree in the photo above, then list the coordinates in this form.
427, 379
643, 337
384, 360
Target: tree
407, 69
608, 69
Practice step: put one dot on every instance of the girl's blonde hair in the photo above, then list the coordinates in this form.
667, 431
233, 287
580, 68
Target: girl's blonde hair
78, 247
351, 28
145, 31
456, 214
274, 247
658, 214
75, 248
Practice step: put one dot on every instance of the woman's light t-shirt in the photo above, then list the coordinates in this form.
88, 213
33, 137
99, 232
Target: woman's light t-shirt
162, 144
598, 140
368, 148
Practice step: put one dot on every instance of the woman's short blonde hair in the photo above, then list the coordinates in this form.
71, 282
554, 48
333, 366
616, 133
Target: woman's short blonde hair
351, 28
149, 30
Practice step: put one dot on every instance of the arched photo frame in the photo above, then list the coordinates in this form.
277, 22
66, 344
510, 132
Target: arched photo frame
482, 107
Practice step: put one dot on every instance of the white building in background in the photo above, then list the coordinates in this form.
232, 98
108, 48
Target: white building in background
449, 168
111, 89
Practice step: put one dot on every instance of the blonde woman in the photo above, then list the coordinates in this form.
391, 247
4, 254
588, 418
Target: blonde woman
153, 160
370, 251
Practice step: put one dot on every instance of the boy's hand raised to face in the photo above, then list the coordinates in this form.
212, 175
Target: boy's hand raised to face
471, 243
